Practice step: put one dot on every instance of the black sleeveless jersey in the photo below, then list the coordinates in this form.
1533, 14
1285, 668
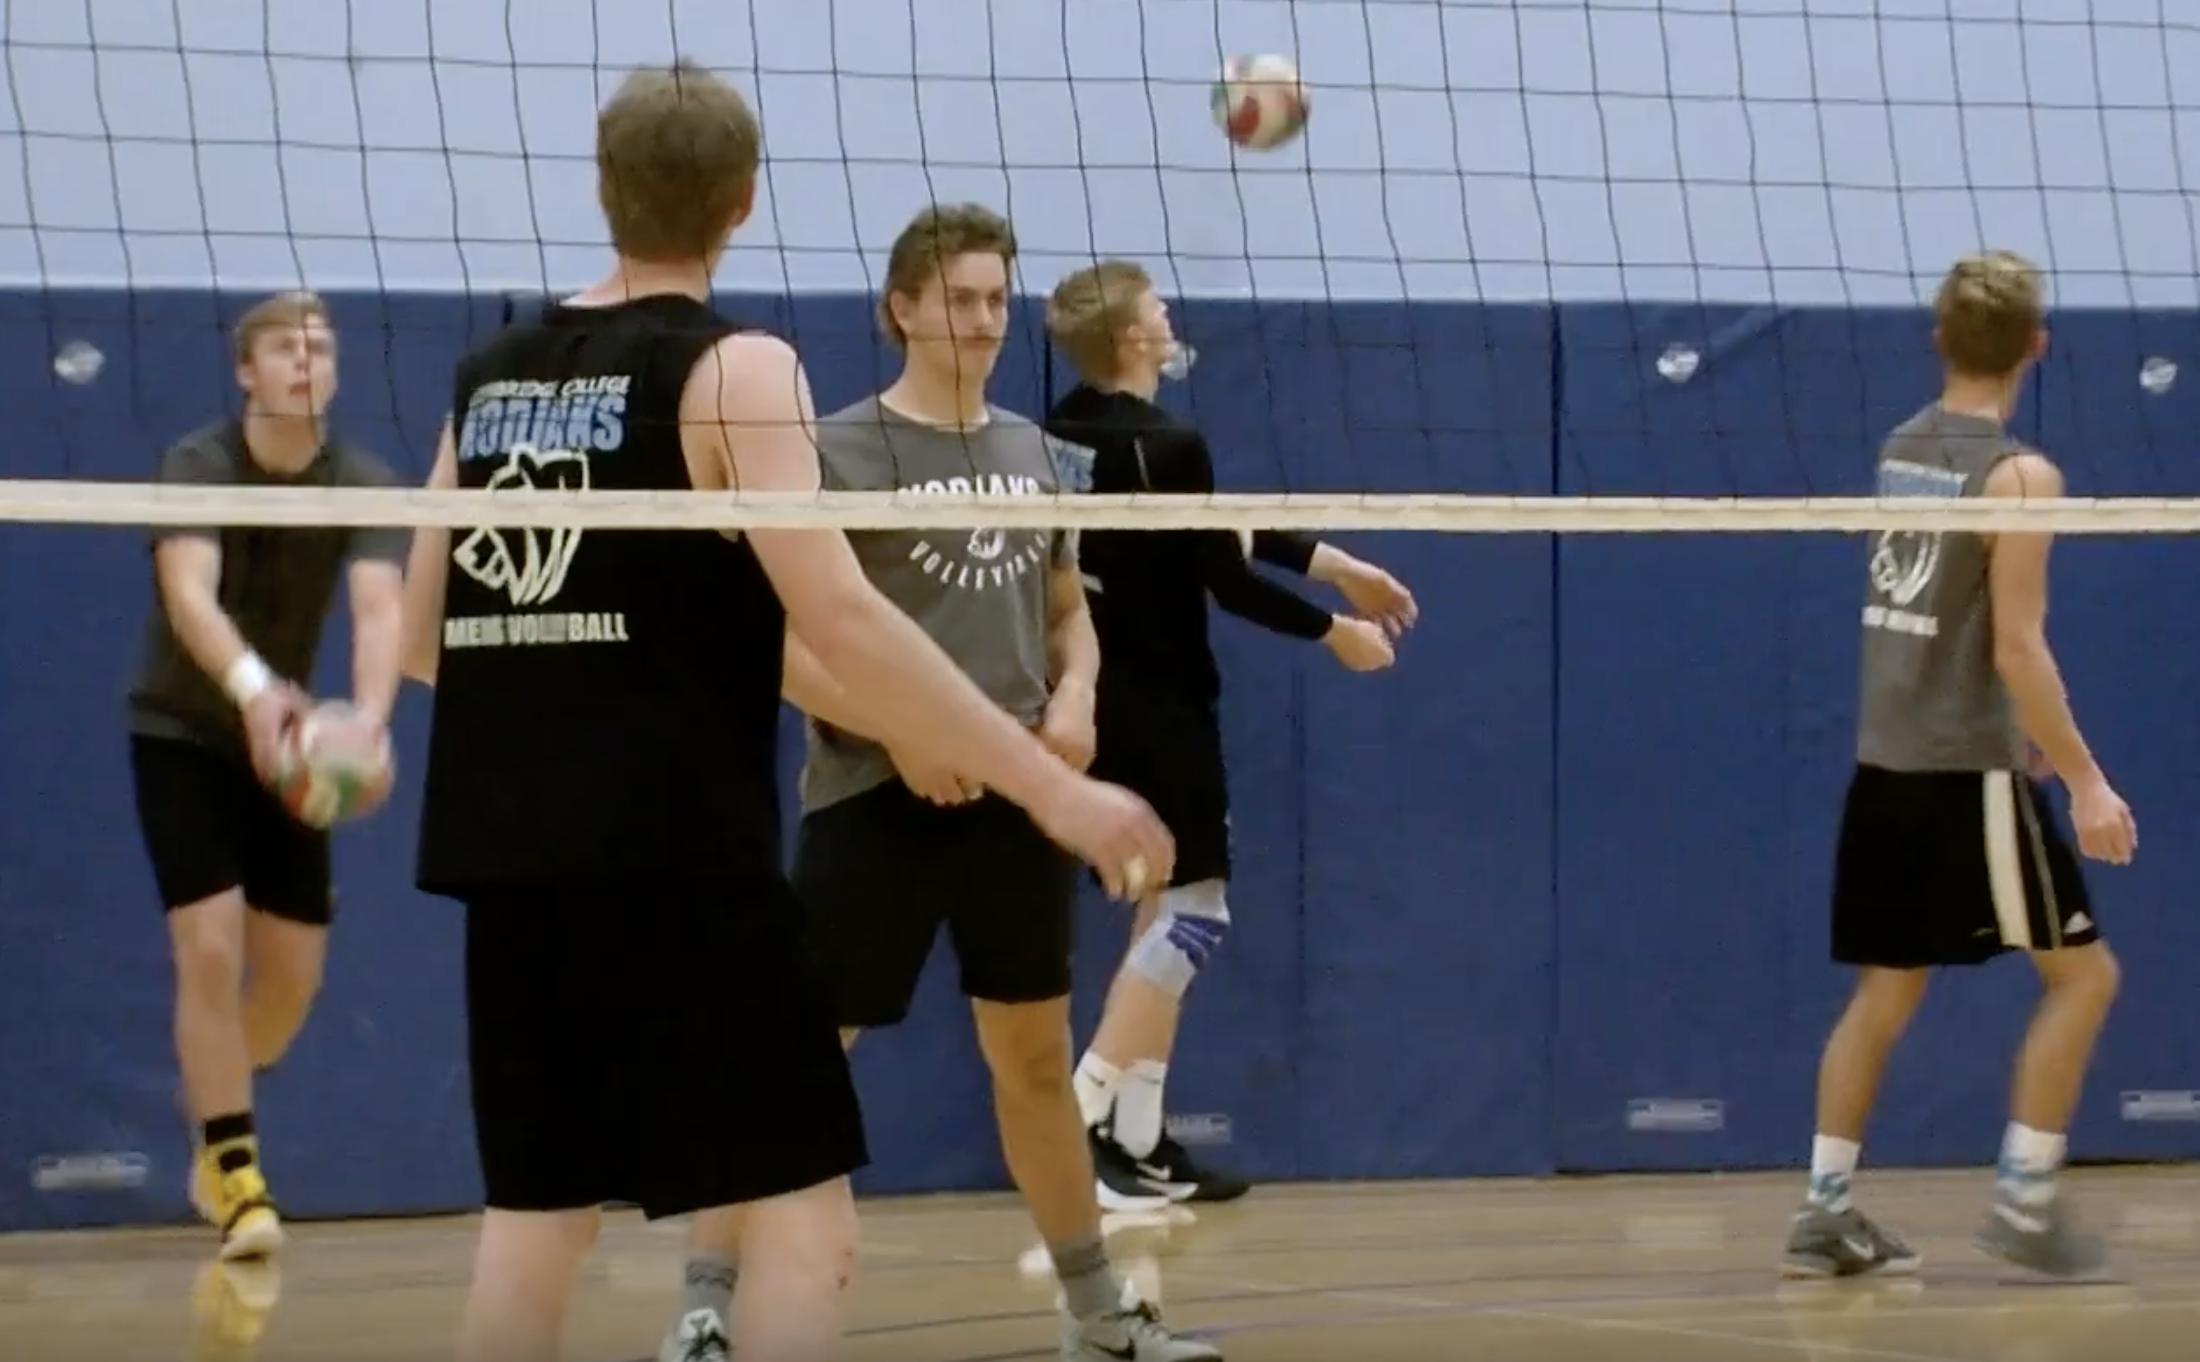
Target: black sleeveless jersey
606, 702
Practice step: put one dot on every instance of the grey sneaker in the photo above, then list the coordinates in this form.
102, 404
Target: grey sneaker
1132, 1334
2044, 1240
700, 1336
1845, 1243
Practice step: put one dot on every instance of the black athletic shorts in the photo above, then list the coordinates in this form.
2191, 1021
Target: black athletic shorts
1168, 751
210, 826
1952, 868
879, 874
666, 1047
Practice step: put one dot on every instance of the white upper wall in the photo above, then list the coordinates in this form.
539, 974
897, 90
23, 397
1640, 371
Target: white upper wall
1803, 151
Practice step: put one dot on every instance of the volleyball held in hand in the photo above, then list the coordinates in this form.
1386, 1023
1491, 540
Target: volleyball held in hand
334, 764
1259, 102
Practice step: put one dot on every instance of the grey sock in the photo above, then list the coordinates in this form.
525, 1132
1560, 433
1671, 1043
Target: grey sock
709, 1284
1089, 1284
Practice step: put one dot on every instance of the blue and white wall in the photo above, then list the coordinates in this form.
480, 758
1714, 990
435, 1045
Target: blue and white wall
1548, 896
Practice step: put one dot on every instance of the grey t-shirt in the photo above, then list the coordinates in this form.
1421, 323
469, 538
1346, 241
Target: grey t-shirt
1932, 699
980, 594
277, 583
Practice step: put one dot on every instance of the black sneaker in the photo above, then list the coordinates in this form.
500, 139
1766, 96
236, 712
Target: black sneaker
1123, 1183
1180, 1169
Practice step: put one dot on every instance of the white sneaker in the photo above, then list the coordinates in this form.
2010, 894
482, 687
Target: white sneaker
700, 1336
1133, 1334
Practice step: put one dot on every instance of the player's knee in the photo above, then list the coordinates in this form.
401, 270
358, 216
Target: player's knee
1026, 1048
1184, 936
808, 1239
532, 1259
208, 946
1885, 1000
2089, 972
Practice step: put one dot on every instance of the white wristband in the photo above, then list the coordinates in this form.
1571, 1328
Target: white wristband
246, 679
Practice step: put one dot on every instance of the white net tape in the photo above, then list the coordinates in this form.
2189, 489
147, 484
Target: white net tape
63, 502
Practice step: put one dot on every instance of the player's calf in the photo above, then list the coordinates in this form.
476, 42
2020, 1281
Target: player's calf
2079, 986
1828, 1236
1132, 1152
285, 962
801, 1249
2028, 1225
525, 1268
227, 1186
1026, 1049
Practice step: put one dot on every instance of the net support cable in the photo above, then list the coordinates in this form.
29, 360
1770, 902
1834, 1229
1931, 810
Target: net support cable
63, 502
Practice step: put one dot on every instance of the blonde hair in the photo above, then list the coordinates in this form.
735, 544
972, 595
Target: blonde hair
1988, 311
291, 311
932, 238
1090, 309
676, 157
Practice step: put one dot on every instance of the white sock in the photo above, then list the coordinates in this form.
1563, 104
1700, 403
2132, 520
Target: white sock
1832, 1164
1095, 1082
2029, 1161
1138, 1107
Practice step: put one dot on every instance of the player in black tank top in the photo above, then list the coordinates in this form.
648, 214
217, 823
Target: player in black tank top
607, 702
601, 788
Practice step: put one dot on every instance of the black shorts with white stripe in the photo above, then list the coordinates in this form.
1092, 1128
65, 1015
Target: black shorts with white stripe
1952, 868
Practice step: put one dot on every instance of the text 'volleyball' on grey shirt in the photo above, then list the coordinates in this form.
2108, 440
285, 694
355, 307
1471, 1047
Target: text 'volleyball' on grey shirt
1931, 697
980, 594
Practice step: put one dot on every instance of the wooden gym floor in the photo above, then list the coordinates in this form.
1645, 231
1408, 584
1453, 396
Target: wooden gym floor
1670, 1269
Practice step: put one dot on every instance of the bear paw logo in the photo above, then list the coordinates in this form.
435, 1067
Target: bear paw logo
528, 565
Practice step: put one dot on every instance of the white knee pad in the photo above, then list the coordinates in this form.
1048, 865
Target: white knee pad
1191, 923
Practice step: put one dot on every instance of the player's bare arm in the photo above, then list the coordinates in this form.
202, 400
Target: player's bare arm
377, 591
188, 573
1073, 664
805, 684
421, 632
748, 422
2017, 582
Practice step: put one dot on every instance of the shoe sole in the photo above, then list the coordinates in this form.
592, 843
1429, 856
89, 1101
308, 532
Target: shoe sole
1112, 1200
1817, 1270
1206, 1197
2099, 1274
259, 1240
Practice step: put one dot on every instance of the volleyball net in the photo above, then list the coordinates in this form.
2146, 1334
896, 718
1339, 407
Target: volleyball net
1532, 267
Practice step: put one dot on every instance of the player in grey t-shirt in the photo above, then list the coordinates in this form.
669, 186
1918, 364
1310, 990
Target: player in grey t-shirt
983, 595
230, 640
1948, 854
892, 849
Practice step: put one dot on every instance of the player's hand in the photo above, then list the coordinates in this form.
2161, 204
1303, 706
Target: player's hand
1377, 596
267, 718
1359, 644
1067, 730
2106, 830
1113, 830
932, 780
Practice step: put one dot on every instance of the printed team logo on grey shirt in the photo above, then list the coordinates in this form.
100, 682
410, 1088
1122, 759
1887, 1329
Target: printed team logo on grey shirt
983, 558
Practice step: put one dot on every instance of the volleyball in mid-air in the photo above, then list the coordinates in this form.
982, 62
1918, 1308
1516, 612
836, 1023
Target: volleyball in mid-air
1259, 101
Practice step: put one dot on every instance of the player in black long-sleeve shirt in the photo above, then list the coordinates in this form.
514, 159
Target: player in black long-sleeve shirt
1155, 715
